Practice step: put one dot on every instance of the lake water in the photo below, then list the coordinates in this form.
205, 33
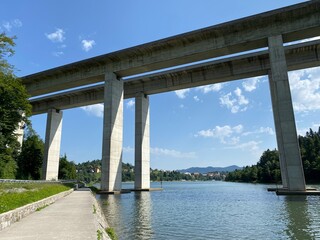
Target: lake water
212, 210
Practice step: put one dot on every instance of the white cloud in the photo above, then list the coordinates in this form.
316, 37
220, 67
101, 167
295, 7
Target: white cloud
196, 98
252, 146
8, 25
235, 104
241, 99
87, 45
128, 149
261, 130
130, 103
58, 54
238, 128
250, 84
224, 133
164, 152
17, 23
182, 93
210, 88
57, 36
305, 89
172, 153
303, 131
95, 110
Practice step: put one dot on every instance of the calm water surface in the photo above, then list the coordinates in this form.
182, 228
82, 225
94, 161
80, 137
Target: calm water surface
212, 210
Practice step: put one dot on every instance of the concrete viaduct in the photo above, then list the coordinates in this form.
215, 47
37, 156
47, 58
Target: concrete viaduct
248, 47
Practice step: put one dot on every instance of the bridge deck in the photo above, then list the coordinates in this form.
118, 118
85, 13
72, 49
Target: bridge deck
71, 217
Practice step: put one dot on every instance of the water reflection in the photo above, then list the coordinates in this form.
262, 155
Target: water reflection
112, 206
142, 216
298, 218
130, 214
215, 210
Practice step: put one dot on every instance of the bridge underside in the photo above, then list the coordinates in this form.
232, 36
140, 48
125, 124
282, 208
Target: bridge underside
268, 30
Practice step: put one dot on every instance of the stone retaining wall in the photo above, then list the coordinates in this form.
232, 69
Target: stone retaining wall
8, 218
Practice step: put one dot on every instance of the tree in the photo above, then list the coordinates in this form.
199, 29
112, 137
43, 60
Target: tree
310, 154
268, 167
6, 50
67, 170
31, 156
14, 108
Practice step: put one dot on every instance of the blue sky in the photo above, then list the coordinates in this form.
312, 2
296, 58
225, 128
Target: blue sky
215, 125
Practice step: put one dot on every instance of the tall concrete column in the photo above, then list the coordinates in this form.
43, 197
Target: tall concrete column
142, 143
50, 165
290, 157
112, 134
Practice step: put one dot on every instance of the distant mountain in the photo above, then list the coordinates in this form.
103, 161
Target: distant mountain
203, 170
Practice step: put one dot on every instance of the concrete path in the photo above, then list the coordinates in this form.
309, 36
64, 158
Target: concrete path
71, 217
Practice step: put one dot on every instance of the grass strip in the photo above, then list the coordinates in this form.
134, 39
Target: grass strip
111, 233
14, 195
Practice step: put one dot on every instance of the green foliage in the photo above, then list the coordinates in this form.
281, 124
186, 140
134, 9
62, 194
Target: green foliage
40, 208
89, 172
8, 166
127, 172
94, 189
267, 170
14, 195
111, 233
310, 153
67, 170
99, 235
31, 157
14, 108
6, 50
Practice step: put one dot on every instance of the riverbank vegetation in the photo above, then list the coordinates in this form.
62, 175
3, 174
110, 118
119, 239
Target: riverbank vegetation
90, 172
14, 110
267, 170
14, 195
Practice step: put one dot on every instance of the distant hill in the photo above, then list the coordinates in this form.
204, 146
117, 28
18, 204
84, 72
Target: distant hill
210, 169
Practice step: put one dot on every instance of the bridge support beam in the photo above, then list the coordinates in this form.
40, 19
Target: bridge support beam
142, 143
50, 167
290, 158
112, 134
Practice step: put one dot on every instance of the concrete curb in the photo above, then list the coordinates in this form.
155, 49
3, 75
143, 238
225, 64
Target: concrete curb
8, 218
100, 219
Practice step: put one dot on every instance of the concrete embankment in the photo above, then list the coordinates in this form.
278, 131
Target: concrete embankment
76, 216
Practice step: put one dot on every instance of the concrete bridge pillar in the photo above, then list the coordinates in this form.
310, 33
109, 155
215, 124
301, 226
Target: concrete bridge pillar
142, 143
50, 165
19, 132
112, 134
290, 158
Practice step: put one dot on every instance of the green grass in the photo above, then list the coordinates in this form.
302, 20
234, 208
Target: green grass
111, 233
40, 208
14, 195
99, 234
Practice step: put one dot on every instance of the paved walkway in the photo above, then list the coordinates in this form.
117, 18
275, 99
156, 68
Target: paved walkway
71, 217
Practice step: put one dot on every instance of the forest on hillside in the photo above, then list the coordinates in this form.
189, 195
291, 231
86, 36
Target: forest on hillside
267, 170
